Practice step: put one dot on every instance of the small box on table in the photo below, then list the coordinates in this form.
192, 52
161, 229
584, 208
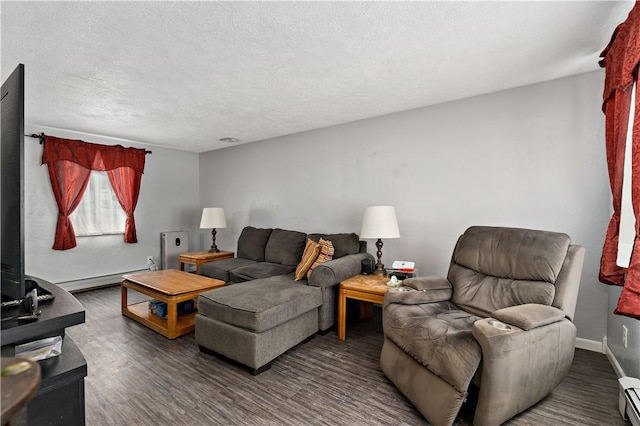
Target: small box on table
402, 273
159, 308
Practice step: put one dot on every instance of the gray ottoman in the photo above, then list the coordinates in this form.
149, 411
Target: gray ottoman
255, 322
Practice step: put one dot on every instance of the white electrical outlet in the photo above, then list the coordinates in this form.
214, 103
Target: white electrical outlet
625, 336
151, 264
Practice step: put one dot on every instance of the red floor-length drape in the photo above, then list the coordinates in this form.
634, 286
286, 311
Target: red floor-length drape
629, 301
617, 114
620, 60
70, 163
126, 184
68, 181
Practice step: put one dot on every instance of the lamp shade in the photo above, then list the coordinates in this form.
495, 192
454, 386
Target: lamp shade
380, 222
213, 217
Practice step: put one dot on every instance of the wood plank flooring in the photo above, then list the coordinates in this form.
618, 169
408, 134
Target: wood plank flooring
137, 377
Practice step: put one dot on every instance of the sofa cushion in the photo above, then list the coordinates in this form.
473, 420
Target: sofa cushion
285, 247
259, 270
252, 243
310, 254
343, 244
220, 269
326, 254
260, 305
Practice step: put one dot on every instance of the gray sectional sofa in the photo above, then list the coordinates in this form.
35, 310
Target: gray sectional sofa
264, 311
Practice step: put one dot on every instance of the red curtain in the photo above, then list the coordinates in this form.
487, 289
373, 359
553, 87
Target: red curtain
616, 117
70, 163
126, 184
69, 181
621, 59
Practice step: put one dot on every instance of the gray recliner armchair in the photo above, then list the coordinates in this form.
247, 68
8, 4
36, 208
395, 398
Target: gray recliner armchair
502, 318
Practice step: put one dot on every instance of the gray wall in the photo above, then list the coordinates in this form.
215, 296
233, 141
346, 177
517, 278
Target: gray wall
531, 157
629, 357
169, 201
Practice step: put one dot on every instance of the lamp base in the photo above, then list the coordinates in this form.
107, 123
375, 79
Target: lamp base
214, 248
379, 265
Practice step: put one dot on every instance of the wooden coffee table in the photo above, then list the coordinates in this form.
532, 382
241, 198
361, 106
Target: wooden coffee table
366, 288
172, 287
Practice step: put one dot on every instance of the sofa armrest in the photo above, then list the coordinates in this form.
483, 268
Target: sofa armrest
332, 272
416, 291
529, 316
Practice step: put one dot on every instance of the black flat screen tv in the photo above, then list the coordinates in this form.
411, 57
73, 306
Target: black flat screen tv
12, 186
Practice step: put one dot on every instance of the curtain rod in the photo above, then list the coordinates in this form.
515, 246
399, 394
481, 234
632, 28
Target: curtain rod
42, 135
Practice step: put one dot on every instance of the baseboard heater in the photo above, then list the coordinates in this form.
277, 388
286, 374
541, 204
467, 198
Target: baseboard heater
629, 400
95, 282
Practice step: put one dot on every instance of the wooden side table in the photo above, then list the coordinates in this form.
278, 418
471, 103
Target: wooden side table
366, 288
199, 257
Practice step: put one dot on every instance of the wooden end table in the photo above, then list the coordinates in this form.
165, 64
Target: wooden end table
366, 288
199, 257
172, 287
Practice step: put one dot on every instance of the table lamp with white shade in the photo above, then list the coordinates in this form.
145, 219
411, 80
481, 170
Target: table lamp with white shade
379, 222
213, 217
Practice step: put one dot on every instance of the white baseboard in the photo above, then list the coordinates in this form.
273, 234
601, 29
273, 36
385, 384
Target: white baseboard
93, 282
614, 362
591, 345
601, 347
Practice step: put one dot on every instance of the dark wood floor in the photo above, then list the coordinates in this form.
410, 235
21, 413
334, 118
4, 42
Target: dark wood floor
137, 377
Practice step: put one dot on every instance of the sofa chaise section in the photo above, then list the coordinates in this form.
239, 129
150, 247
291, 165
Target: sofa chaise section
253, 322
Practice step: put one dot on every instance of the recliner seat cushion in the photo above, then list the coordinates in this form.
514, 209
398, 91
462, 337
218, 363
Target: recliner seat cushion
285, 247
260, 305
438, 336
220, 269
259, 270
252, 243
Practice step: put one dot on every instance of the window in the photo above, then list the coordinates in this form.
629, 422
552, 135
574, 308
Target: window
99, 212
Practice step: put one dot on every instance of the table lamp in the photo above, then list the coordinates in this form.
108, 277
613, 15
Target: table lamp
213, 217
379, 222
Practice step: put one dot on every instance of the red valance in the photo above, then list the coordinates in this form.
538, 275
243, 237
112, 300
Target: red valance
621, 57
92, 156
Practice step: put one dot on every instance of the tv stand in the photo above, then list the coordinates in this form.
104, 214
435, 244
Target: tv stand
60, 398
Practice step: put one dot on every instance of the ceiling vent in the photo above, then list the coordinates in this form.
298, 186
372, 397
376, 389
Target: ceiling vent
229, 140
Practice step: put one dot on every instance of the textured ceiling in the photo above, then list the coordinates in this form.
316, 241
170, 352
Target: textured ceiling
185, 74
